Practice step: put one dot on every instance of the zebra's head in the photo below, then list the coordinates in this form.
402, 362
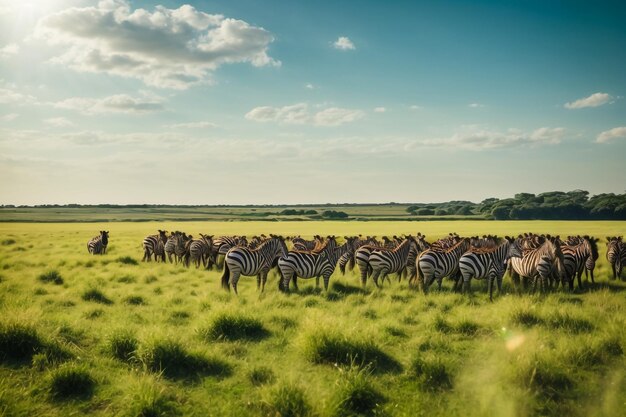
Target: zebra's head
163, 235
104, 234
515, 247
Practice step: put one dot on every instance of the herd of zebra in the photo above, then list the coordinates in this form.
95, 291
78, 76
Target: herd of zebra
541, 260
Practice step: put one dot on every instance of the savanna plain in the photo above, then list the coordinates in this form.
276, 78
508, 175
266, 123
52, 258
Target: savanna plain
111, 335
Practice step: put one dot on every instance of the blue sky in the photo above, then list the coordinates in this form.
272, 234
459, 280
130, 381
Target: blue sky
250, 102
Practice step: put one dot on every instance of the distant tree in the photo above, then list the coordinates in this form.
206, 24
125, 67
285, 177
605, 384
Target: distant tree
425, 212
332, 214
501, 213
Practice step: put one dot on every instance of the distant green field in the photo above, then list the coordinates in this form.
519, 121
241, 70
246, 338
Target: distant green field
110, 335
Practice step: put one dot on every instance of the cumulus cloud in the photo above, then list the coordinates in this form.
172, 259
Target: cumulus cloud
191, 125
10, 94
344, 43
165, 48
119, 103
9, 50
301, 114
612, 134
594, 100
58, 122
478, 139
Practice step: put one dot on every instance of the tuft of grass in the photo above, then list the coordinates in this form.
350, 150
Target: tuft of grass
441, 325
51, 276
7, 242
331, 348
394, 331
525, 317
568, 322
261, 375
287, 400
126, 279
311, 302
149, 400
356, 396
40, 291
97, 296
18, 342
135, 300
467, 327
284, 322
171, 358
546, 379
150, 279
71, 382
127, 260
430, 373
122, 345
229, 326
93, 314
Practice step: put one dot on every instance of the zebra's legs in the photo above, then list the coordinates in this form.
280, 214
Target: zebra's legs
263, 279
317, 282
234, 278
591, 274
326, 280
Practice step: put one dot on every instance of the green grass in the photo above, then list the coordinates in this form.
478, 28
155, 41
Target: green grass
51, 277
158, 339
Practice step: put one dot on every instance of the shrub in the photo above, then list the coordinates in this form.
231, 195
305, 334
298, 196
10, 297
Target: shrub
329, 348
51, 276
127, 260
431, 374
228, 326
171, 358
356, 396
71, 381
287, 401
261, 375
96, 296
122, 345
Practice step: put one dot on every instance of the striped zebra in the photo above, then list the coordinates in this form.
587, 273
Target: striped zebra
590, 263
250, 262
488, 262
302, 244
312, 264
362, 258
97, 245
386, 261
576, 253
538, 264
347, 259
154, 245
222, 244
170, 245
200, 251
615, 254
411, 268
182, 250
438, 263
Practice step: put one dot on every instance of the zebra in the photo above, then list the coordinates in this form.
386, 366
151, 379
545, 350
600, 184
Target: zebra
347, 259
411, 269
576, 253
488, 262
438, 263
200, 251
615, 254
170, 245
154, 245
222, 244
539, 263
307, 245
309, 264
97, 245
385, 261
250, 262
590, 263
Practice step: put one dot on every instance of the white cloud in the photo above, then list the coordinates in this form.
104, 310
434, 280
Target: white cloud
478, 139
344, 43
612, 134
300, 114
191, 125
9, 117
119, 103
309, 86
166, 48
9, 94
594, 100
9, 50
58, 122
380, 109
475, 105
415, 107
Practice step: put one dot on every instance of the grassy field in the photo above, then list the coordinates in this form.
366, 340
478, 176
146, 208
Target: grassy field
109, 335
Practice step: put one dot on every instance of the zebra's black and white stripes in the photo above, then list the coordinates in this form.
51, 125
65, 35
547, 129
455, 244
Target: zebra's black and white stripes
154, 245
436, 264
97, 245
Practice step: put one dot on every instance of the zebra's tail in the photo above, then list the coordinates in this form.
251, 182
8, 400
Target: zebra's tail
420, 277
351, 262
225, 277
342, 269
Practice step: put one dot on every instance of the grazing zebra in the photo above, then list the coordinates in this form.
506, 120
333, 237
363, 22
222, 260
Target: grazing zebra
250, 262
307, 245
97, 245
539, 263
200, 251
488, 262
437, 263
347, 259
309, 264
576, 253
386, 261
154, 245
615, 254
